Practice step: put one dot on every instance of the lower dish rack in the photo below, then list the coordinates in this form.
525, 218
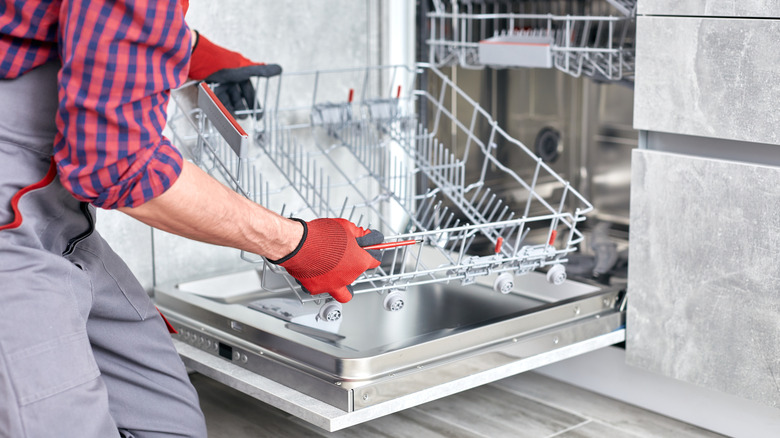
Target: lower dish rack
374, 146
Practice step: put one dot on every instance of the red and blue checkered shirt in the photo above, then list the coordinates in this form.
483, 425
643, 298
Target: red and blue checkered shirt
119, 61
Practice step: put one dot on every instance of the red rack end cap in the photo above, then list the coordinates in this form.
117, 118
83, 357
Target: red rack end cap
553, 235
499, 244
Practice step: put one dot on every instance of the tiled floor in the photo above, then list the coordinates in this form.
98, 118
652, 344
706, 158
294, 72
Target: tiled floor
526, 405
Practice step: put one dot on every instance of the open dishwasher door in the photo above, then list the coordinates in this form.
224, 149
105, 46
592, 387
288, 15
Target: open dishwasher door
481, 293
374, 362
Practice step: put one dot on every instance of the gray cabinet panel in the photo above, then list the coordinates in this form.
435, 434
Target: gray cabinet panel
708, 77
718, 8
704, 281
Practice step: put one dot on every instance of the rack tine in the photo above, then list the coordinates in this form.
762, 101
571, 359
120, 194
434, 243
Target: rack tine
344, 207
429, 220
322, 206
454, 239
482, 213
520, 235
482, 200
428, 203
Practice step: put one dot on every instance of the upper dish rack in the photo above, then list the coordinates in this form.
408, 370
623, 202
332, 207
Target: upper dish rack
588, 41
351, 143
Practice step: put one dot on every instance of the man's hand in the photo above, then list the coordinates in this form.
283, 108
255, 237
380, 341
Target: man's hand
232, 72
329, 257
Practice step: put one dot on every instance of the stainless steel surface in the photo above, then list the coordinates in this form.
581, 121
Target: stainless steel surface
467, 316
330, 418
593, 119
373, 355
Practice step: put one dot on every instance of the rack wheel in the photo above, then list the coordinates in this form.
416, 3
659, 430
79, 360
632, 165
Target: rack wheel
330, 311
556, 275
504, 283
394, 301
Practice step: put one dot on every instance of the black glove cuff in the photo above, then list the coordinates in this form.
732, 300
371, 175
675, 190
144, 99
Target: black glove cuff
297, 248
197, 39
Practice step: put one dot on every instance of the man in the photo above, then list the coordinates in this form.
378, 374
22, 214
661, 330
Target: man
84, 87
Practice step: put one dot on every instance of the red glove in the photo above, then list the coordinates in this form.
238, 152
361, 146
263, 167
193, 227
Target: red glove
212, 63
329, 257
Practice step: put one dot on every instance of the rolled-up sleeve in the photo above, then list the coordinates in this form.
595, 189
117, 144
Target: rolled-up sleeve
119, 61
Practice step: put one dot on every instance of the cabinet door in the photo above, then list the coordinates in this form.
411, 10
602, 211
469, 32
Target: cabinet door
708, 77
704, 276
717, 8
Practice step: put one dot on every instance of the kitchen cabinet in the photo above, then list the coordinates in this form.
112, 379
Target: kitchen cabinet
708, 77
717, 8
703, 279
703, 276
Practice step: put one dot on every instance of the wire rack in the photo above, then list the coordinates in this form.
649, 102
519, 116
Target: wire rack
351, 143
578, 38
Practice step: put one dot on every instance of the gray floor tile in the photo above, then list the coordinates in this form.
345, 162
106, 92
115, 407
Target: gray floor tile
592, 429
527, 405
493, 412
624, 417
233, 414
405, 424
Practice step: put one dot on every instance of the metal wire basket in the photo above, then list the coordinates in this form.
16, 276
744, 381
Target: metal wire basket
366, 144
581, 39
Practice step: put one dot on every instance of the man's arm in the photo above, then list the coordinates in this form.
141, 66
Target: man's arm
114, 86
119, 61
324, 255
200, 208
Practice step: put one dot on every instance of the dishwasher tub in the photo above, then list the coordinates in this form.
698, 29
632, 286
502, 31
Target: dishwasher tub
454, 337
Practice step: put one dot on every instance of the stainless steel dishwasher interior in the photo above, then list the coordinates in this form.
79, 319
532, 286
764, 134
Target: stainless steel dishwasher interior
277, 335
432, 311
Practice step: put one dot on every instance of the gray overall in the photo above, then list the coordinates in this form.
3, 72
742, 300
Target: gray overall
83, 352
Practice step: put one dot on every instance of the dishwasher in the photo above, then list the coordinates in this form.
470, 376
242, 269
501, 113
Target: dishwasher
480, 228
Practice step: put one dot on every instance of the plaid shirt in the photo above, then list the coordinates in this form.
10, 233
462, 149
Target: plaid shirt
119, 61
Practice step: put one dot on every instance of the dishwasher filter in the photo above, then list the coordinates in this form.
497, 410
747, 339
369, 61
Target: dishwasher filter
480, 292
